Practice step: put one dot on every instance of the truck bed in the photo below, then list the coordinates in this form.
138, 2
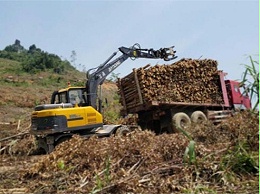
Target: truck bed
184, 83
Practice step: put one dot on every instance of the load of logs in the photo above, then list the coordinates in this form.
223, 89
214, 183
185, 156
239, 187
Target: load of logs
187, 80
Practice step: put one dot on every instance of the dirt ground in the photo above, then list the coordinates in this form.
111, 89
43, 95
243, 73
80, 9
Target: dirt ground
226, 161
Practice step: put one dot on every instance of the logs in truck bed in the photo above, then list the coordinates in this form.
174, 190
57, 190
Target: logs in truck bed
188, 81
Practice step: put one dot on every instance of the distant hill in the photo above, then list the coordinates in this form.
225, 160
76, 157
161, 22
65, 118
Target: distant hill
34, 59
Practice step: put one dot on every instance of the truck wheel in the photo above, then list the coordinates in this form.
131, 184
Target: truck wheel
198, 117
122, 131
181, 120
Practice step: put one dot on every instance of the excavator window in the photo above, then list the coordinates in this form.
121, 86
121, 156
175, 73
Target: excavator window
62, 97
77, 96
74, 97
59, 97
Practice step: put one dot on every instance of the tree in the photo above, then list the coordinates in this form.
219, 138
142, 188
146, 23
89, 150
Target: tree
73, 58
32, 48
114, 77
16, 47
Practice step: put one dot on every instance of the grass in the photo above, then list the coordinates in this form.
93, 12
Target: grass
239, 160
23, 89
250, 81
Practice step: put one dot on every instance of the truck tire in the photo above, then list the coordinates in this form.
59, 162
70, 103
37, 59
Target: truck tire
198, 117
181, 120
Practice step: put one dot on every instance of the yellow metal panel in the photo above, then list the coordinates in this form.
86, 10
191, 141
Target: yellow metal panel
76, 116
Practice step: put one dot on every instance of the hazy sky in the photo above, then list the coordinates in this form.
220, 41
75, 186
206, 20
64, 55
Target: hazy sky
227, 31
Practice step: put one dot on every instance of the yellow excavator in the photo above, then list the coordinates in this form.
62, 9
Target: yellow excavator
77, 110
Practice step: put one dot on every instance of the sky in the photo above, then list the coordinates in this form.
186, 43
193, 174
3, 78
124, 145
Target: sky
226, 31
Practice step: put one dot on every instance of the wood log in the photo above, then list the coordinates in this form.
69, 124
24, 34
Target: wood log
186, 80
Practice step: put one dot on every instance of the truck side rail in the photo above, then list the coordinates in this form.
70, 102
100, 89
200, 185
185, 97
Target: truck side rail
168, 105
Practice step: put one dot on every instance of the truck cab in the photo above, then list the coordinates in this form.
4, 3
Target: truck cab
235, 97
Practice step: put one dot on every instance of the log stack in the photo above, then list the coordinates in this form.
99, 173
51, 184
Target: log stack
187, 80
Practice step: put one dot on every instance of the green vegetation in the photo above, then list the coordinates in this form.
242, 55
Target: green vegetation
34, 59
113, 77
101, 183
61, 164
251, 81
112, 111
189, 154
20, 67
239, 160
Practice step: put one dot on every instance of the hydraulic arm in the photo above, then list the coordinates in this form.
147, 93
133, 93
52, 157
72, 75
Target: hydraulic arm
96, 76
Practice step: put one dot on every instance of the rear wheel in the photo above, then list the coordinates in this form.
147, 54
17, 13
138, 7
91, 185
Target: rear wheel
180, 120
122, 131
42, 146
198, 117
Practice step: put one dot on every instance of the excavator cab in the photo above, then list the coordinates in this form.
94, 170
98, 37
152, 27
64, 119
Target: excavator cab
73, 95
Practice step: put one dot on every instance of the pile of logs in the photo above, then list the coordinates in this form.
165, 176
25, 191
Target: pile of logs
187, 80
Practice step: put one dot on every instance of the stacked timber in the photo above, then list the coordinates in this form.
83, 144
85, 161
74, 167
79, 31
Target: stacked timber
187, 81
